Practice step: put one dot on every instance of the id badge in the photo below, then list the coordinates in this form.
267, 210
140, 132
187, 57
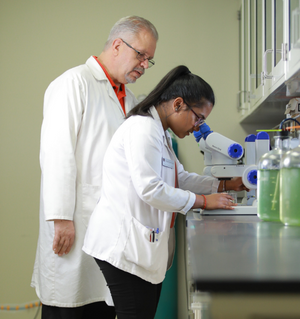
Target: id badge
168, 163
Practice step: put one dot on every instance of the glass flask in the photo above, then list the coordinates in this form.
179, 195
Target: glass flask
289, 184
268, 180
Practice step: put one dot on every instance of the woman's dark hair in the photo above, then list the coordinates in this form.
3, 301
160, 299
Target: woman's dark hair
179, 82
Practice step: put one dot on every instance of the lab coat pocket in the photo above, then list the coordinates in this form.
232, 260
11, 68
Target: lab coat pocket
90, 197
145, 252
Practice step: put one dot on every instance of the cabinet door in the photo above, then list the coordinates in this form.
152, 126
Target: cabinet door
256, 20
270, 57
251, 52
294, 44
276, 43
244, 96
259, 47
294, 23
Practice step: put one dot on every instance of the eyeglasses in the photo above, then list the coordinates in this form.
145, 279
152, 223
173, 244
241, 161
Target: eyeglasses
200, 120
141, 56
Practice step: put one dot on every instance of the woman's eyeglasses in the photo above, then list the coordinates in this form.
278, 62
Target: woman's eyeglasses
200, 120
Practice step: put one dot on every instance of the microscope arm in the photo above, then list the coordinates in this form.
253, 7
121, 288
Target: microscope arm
247, 172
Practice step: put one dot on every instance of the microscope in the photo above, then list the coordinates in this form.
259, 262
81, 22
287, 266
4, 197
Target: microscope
225, 159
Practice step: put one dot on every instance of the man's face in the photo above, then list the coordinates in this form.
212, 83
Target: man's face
130, 67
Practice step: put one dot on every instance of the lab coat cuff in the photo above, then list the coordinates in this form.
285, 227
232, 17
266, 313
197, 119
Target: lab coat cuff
190, 203
54, 217
215, 186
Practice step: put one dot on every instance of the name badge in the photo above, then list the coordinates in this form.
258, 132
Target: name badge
168, 163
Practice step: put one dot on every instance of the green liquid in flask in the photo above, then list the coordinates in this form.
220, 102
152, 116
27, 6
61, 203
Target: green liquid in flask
268, 195
290, 197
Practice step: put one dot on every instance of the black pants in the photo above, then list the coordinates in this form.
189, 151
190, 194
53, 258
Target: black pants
96, 310
134, 298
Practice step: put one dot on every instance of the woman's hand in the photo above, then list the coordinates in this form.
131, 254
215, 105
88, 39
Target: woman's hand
215, 201
236, 184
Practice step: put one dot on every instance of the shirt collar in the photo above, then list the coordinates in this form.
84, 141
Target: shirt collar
115, 87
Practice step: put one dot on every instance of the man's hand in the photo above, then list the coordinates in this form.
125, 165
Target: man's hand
64, 236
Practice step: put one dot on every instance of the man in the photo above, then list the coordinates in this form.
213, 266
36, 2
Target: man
82, 109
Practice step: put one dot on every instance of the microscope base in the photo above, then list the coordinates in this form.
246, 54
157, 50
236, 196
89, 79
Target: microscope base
238, 210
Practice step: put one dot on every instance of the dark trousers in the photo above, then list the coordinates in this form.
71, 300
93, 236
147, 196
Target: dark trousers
134, 298
96, 310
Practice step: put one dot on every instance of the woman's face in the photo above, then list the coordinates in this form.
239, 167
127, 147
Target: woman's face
187, 116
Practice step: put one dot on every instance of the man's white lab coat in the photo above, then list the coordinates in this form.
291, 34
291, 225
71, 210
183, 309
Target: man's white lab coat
81, 114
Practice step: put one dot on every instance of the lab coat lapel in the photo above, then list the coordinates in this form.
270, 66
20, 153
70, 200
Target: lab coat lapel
99, 74
128, 101
166, 136
168, 144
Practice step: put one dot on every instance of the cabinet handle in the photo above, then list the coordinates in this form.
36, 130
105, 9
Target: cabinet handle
282, 51
265, 72
284, 48
239, 104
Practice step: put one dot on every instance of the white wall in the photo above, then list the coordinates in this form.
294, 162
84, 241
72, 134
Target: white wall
41, 39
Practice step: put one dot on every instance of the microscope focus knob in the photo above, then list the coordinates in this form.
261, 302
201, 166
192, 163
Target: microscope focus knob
252, 177
235, 150
249, 177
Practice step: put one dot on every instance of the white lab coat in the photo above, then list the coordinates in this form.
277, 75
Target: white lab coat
138, 194
81, 114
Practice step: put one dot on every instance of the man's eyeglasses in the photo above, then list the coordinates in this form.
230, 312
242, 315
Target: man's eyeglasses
200, 120
141, 56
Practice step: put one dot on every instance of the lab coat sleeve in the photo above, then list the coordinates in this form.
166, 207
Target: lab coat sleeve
143, 148
195, 183
63, 109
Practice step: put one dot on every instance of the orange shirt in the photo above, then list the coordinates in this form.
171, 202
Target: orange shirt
120, 93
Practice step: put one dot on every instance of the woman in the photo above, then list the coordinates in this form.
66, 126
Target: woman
131, 232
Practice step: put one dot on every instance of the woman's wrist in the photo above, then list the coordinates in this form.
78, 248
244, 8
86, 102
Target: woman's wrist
223, 186
200, 202
229, 185
204, 205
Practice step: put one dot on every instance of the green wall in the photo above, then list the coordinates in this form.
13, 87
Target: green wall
41, 39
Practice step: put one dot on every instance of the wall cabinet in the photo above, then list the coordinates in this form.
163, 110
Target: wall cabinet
269, 60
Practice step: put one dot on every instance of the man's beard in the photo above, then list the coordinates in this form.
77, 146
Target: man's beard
132, 79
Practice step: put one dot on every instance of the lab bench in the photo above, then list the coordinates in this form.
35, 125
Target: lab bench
239, 253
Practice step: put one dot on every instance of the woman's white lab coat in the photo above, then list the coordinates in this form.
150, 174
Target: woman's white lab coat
81, 114
130, 226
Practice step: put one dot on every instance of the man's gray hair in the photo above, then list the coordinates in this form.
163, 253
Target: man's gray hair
128, 27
